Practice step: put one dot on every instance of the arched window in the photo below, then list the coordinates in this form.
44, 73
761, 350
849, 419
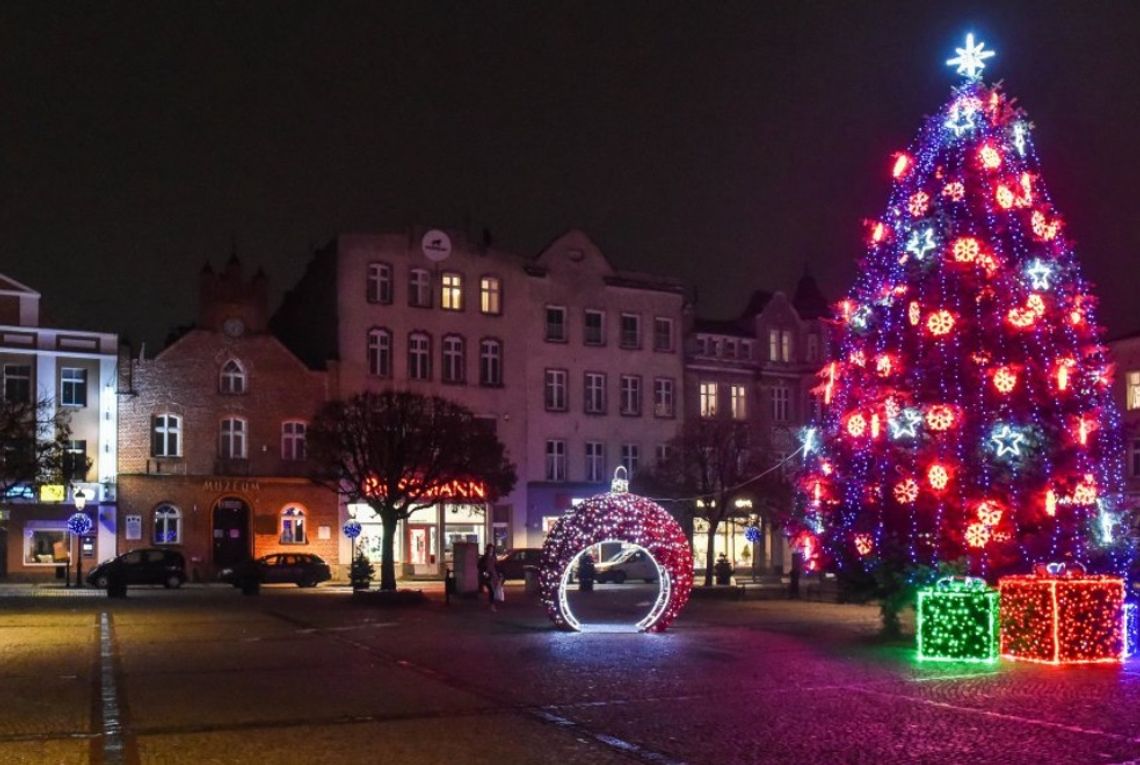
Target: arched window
233, 377
454, 359
232, 439
167, 525
293, 525
379, 352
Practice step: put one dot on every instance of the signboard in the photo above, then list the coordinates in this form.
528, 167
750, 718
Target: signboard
436, 245
134, 527
53, 492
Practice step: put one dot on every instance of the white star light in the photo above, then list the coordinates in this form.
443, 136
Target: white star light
920, 243
1019, 138
971, 59
906, 424
1039, 274
1008, 441
961, 118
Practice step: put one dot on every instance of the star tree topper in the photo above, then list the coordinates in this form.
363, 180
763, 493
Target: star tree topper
970, 59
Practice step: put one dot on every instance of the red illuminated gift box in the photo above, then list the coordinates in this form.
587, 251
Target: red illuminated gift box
1060, 616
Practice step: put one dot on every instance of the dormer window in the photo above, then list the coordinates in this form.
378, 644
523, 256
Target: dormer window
232, 380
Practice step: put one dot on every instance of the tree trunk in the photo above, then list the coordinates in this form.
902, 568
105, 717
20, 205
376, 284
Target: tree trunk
388, 553
710, 552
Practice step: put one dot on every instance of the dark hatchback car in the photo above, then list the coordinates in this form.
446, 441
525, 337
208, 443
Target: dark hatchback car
301, 569
514, 563
145, 566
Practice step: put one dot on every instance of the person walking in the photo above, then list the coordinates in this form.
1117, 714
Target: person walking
491, 574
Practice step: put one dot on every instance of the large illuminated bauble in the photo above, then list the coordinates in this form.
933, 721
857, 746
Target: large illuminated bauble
618, 516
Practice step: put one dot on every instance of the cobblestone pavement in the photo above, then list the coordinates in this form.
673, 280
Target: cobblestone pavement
205, 675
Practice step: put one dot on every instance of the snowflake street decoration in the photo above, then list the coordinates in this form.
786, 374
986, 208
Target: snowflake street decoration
79, 523
971, 59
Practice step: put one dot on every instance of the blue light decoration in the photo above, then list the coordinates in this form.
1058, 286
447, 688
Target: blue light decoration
352, 528
971, 376
79, 524
1130, 628
752, 534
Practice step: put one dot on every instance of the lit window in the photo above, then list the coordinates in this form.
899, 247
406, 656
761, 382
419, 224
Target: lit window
232, 439
451, 292
738, 399
491, 295
662, 334
708, 399
629, 458
293, 440
379, 288
555, 324
595, 393
454, 361
786, 346
630, 330
419, 288
419, 356
293, 526
166, 436
595, 328
555, 460
46, 546
780, 403
630, 395
663, 397
167, 525
379, 352
773, 345
232, 379
556, 390
73, 387
595, 461
1134, 390
490, 362
75, 462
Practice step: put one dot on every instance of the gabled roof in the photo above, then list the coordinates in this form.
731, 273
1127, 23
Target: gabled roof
756, 304
10, 285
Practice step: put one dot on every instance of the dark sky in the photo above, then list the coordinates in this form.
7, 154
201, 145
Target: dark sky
725, 143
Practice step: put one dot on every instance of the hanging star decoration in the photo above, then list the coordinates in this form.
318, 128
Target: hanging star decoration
906, 424
961, 117
1039, 273
920, 243
971, 59
1007, 440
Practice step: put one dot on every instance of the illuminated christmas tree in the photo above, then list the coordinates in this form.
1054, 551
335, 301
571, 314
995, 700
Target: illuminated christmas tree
967, 411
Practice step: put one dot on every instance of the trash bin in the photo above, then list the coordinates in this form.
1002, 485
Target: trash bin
530, 580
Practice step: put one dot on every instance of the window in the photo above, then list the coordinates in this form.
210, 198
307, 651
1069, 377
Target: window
293, 440
233, 378
419, 288
780, 401
490, 362
738, 398
167, 525
595, 393
1134, 463
73, 387
555, 460
1134, 390
293, 526
379, 283
595, 461
75, 461
702, 346
813, 347
629, 458
231, 442
786, 346
491, 295
555, 387
773, 345
454, 359
594, 329
451, 292
663, 397
630, 330
419, 356
46, 547
555, 324
379, 352
631, 395
17, 383
662, 334
662, 454
730, 349
746, 349
708, 399
166, 435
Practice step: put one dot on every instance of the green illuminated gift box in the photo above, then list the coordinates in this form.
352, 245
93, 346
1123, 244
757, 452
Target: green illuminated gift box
958, 621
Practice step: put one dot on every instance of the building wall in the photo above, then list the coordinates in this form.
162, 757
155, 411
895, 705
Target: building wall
1126, 352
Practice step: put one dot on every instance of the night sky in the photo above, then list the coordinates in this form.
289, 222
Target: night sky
726, 144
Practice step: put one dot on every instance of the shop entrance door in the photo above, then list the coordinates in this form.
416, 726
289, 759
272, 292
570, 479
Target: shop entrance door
421, 544
231, 532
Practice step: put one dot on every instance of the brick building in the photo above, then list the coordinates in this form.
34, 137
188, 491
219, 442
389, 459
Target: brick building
213, 439
1126, 391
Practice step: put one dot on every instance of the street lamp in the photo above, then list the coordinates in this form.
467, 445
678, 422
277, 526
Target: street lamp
79, 524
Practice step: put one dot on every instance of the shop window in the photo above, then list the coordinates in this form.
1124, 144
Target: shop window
167, 525
293, 526
46, 546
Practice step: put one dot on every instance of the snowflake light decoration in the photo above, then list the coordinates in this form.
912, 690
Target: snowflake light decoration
971, 59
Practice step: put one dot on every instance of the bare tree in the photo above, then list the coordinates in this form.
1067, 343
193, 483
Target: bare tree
399, 452
34, 439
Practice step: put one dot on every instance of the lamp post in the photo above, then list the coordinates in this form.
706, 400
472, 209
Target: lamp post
79, 524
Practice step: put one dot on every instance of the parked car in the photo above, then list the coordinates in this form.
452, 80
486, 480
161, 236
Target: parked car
301, 569
144, 566
513, 563
628, 564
